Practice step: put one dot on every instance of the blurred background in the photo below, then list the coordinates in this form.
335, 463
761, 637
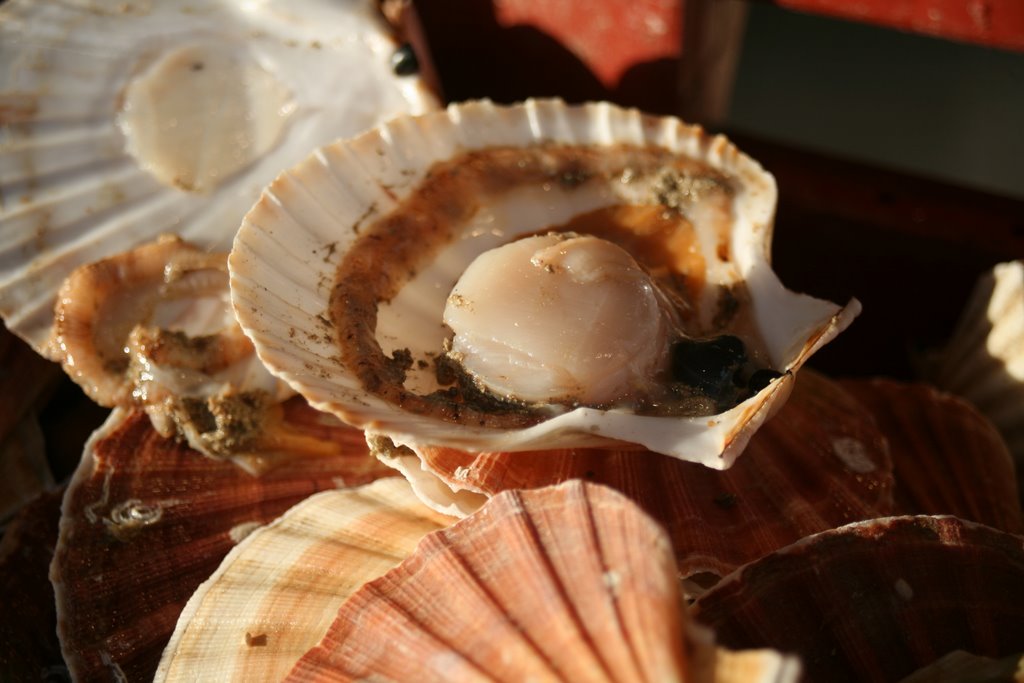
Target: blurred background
933, 107
932, 87
893, 128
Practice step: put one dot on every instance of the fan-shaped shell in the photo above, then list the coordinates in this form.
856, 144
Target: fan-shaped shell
877, 600
276, 592
984, 360
120, 121
820, 463
145, 520
564, 583
341, 271
570, 582
947, 458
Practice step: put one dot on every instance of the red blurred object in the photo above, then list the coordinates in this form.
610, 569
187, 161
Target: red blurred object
610, 37
509, 50
995, 23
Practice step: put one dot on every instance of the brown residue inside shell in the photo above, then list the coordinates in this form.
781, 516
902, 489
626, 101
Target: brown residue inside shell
389, 251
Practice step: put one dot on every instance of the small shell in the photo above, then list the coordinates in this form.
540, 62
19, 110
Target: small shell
146, 520
29, 650
820, 463
276, 592
876, 600
120, 121
571, 582
151, 328
947, 458
984, 360
488, 174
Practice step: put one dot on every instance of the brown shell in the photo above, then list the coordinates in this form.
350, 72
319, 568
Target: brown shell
877, 600
29, 650
820, 463
947, 457
146, 520
565, 583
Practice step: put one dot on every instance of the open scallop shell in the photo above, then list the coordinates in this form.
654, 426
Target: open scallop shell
120, 121
984, 360
351, 203
948, 459
274, 595
820, 463
145, 520
565, 583
877, 600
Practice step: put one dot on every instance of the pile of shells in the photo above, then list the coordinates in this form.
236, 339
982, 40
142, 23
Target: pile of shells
494, 393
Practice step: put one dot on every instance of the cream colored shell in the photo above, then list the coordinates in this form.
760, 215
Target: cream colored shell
277, 591
284, 261
120, 121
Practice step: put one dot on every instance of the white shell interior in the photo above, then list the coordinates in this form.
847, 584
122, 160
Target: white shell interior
125, 120
285, 258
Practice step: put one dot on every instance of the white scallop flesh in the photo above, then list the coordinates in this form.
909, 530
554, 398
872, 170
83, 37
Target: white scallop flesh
122, 121
557, 318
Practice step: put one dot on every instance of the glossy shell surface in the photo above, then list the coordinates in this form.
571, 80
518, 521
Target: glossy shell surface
146, 520
120, 121
323, 214
274, 595
821, 462
571, 582
877, 600
948, 459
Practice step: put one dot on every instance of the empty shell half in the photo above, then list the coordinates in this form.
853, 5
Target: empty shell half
528, 277
120, 121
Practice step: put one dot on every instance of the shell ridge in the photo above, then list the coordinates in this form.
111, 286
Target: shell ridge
325, 535
291, 251
334, 652
303, 291
83, 232
25, 190
656, 646
581, 495
449, 546
577, 498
